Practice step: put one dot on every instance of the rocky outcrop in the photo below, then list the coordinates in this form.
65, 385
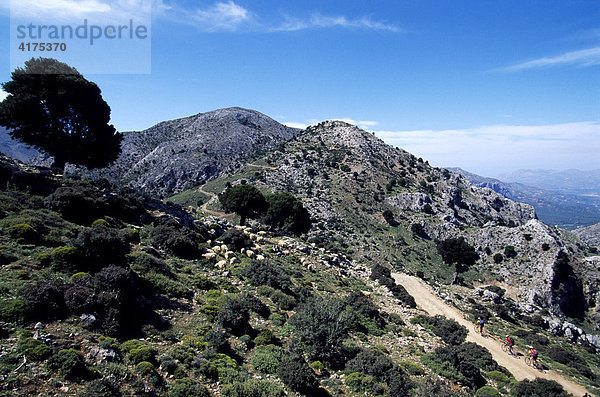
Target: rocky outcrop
589, 234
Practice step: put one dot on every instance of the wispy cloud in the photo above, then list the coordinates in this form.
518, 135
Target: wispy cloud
317, 21
490, 150
68, 10
581, 58
222, 16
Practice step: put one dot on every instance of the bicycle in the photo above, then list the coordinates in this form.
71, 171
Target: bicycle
535, 364
506, 348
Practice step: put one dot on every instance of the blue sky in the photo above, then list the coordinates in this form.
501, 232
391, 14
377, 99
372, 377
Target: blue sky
490, 86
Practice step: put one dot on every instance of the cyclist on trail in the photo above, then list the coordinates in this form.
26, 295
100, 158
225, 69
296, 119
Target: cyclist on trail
510, 342
533, 354
480, 324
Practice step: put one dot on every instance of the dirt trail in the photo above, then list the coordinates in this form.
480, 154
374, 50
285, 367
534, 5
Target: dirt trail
213, 197
433, 305
266, 167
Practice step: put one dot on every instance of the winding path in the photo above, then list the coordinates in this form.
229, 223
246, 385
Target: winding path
433, 305
213, 197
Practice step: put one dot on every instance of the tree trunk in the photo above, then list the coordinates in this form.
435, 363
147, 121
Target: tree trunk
58, 165
242, 220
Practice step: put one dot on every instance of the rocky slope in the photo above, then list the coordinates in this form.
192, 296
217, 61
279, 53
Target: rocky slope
589, 234
174, 155
347, 178
565, 210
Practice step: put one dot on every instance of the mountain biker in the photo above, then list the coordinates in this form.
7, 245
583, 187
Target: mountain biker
533, 354
480, 324
510, 342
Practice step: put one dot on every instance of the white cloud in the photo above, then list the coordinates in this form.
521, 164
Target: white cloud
294, 124
491, 150
220, 17
324, 21
582, 58
97, 10
3, 95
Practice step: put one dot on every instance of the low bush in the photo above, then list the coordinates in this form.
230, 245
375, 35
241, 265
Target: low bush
252, 388
267, 273
265, 337
412, 368
360, 383
283, 300
538, 387
235, 239
34, 349
65, 259
469, 359
101, 246
178, 240
295, 373
13, 310
449, 330
144, 368
434, 387
24, 233
102, 388
186, 388
70, 364
45, 300
266, 359
143, 263
487, 391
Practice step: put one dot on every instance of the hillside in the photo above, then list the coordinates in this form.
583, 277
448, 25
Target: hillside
589, 234
564, 210
177, 154
347, 178
106, 293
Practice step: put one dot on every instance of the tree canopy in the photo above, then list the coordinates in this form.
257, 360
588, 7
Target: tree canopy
245, 200
53, 108
286, 212
457, 252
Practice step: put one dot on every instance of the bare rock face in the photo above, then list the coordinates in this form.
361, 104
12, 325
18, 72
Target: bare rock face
589, 234
179, 154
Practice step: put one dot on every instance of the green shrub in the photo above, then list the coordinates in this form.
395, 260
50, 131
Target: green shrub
499, 377
487, 391
13, 310
267, 273
510, 251
168, 286
65, 259
144, 368
296, 374
283, 300
44, 259
100, 222
252, 388
23, 233
33, 349
412, 368
180, 241
264, 337
321, 324
449, 330
498, 258
142, 353
443, 368
360, 383
186, 388
80, 276
266, 359
235, 239
70, 364
434, 387
538, 387
102, 388
202, 282
143, 263
101, 246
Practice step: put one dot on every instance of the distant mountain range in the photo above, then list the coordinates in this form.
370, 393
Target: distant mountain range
564, 181
15, 149
566, 210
